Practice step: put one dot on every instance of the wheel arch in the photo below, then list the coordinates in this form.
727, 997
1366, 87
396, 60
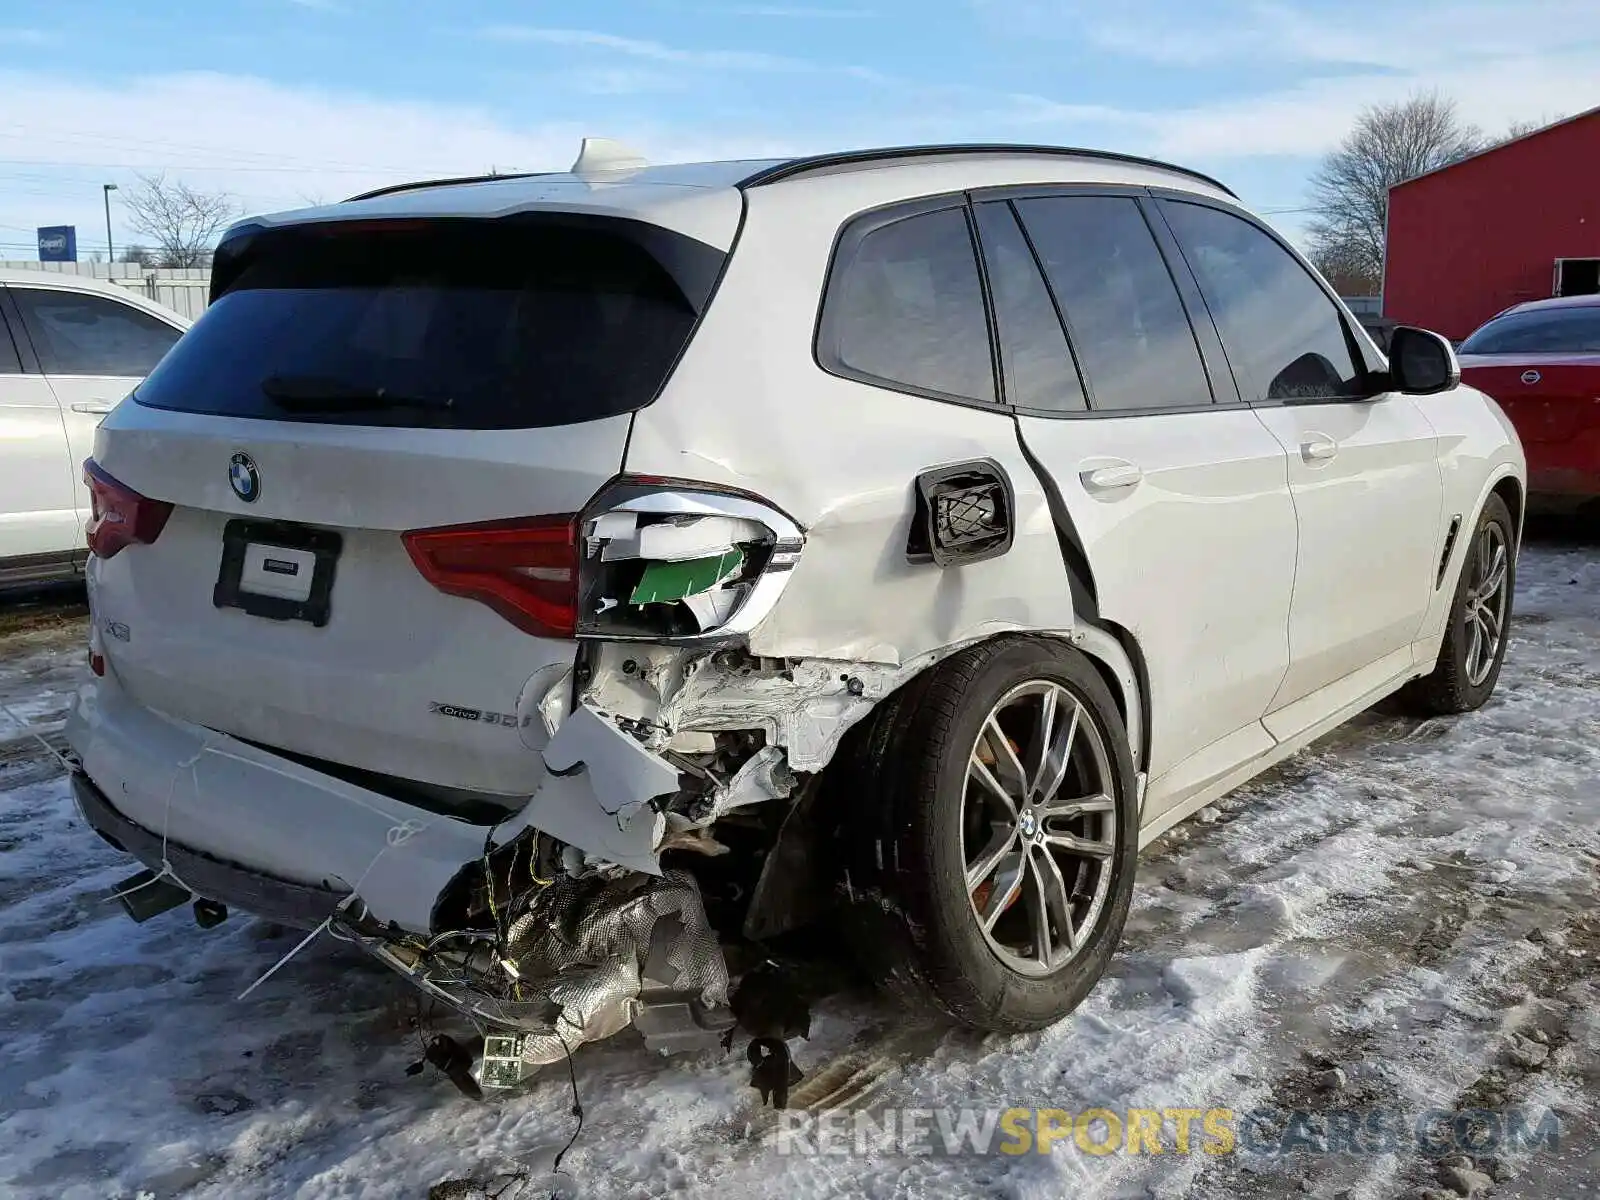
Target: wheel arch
1509, 488
1116, 657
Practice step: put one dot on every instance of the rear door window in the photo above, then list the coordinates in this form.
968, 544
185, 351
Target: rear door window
78, 334
1035, 361
905, 309
460, 324
1127, 321
1285, 338
1573, 330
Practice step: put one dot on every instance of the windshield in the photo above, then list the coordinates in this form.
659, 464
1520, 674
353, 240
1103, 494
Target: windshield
1539, 331
456, 324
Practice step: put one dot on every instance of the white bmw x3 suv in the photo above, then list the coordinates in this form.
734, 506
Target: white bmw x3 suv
554, 582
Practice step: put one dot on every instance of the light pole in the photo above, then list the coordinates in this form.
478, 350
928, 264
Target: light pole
106, 189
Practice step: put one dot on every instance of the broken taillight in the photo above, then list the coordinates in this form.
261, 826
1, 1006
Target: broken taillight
118, 515
676, 560
525, 569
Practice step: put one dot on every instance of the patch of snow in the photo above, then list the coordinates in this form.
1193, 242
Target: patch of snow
1360, 915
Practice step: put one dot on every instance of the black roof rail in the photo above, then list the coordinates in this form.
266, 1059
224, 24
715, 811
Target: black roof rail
431, 183
816, 162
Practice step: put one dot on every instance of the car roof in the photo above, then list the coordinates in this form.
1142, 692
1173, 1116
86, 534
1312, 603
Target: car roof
704, 199
1553, 302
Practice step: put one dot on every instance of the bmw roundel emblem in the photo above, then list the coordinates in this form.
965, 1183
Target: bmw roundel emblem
243, 477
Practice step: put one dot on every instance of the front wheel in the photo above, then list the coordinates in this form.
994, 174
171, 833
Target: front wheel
1479, 625
996, 836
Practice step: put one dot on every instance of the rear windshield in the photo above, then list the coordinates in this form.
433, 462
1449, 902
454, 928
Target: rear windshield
1552, 331
456, 324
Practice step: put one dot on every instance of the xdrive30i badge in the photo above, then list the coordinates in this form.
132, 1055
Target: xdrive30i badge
462, 713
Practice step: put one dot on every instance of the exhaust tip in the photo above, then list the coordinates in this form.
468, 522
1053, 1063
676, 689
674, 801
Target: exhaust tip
208, 914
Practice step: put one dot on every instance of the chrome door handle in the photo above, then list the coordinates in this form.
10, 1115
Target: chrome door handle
1318, 449
93, 410
1111, 477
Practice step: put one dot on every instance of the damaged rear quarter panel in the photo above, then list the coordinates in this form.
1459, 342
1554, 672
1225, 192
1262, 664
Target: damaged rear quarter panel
749, 408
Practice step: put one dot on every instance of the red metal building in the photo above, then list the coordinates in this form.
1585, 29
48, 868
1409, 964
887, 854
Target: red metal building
1518, 222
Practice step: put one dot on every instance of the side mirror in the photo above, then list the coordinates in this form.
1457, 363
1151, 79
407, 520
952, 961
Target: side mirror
1421, 363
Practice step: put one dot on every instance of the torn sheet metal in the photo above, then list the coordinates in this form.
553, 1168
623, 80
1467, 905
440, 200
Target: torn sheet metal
805, 708
623, 774
598, 795
764, 776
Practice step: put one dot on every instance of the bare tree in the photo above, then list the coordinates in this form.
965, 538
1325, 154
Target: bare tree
182, 222
1518, 129
1350, 189
138, 254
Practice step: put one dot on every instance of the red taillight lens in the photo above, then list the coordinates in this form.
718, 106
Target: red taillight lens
525, 569
118, 515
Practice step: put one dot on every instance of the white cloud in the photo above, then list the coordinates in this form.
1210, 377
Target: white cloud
1406, 36
270, 145
274, 144
659, 52
795, 11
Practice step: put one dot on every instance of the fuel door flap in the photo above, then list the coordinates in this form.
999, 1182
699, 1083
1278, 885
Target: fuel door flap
965, 514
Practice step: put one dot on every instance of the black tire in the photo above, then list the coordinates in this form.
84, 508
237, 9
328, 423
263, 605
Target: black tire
1449, 688
908, 910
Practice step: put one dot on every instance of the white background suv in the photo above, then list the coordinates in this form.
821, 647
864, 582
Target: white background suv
70, 349
893, 540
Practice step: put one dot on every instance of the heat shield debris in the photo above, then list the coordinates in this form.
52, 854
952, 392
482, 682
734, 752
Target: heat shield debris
570, 964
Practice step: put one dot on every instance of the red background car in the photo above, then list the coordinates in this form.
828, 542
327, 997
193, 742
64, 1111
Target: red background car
1541, 361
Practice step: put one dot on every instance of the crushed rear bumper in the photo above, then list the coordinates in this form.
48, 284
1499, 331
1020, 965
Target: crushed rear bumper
305, 905
239, 815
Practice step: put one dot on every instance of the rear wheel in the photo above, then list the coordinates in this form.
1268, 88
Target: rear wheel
1479, 625
993, 865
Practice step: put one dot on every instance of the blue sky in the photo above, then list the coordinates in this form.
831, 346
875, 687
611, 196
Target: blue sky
280, 102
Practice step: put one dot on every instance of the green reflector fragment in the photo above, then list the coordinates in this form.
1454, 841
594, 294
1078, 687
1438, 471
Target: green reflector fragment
665, 582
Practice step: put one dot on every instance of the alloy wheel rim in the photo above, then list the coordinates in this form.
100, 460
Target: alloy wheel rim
1486, 604
1038, 828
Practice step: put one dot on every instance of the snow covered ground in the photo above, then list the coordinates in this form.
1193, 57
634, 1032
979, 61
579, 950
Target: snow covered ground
1402, 919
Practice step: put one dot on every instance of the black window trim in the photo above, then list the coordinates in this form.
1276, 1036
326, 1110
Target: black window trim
994, 319
1012, 193
1226, 391
1374, 381
11, 325
850, 235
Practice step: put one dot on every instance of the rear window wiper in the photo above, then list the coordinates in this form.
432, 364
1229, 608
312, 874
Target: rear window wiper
318, 393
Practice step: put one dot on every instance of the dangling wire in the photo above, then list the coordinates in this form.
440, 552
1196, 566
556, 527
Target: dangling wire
577, 1103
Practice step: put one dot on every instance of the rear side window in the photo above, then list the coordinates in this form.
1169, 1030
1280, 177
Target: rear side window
1550, 331
456, 324
1284, 337
904, 308
1127, 321
78, 334
1035, 361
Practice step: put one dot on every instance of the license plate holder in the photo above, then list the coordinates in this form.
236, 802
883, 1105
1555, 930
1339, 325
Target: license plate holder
248, 555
